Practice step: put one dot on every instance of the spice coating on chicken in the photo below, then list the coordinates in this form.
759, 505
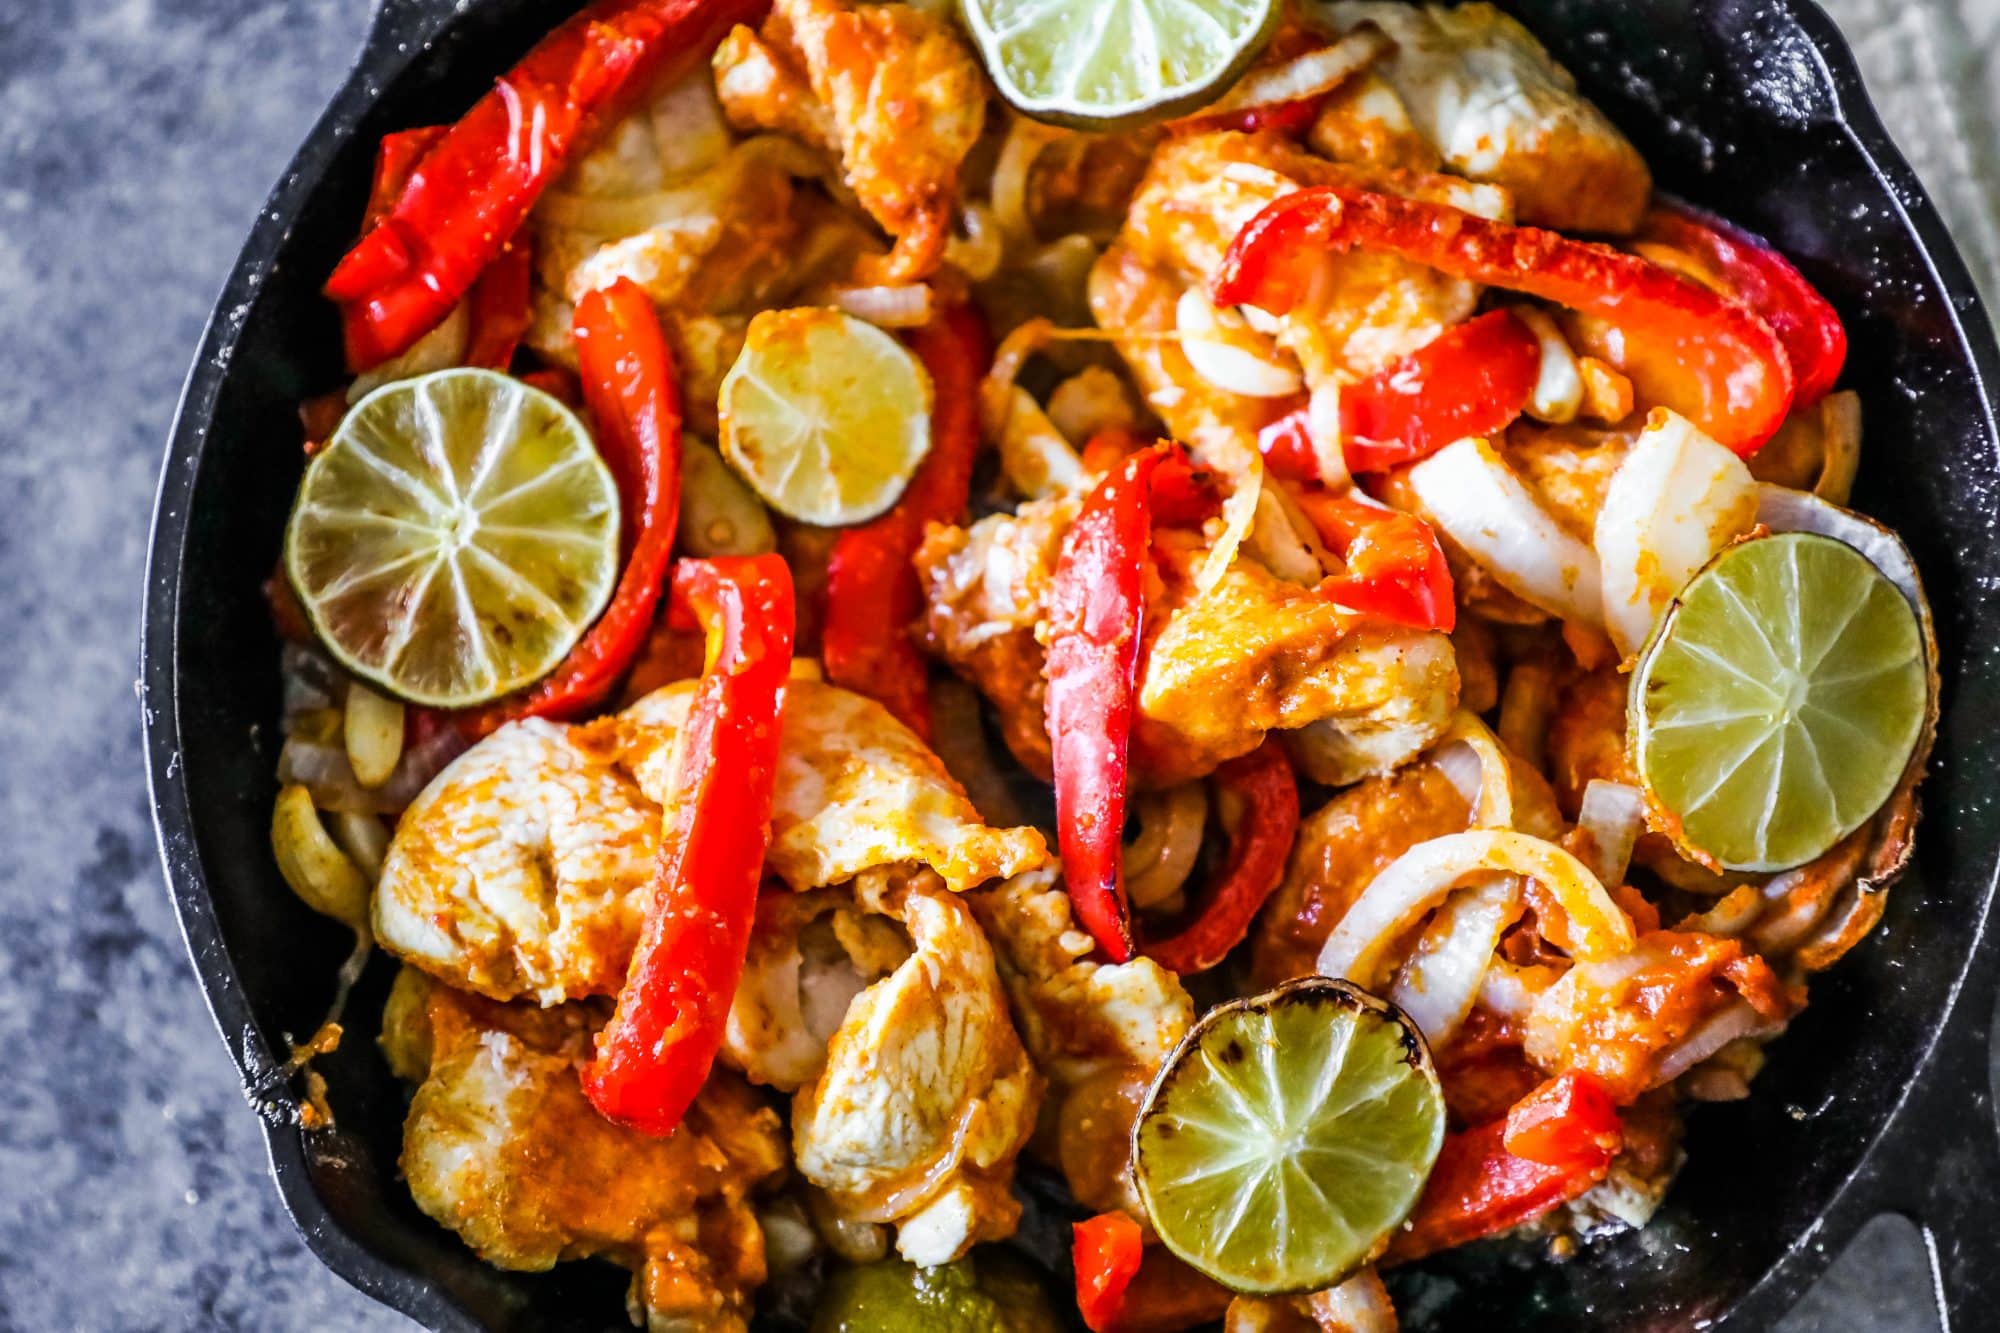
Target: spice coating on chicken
523, 869
502, 1147
1498, 108
899, 97
927, 1094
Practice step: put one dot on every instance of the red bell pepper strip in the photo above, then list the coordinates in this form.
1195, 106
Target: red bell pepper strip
1478, 1187
1759, 277
655, 1053
396, 158
1395, 567
1735, 380
1107, 1249
628, 382
1569, 1121
872, 593
1262, 783
498, 306
469, 195
1097, 606
1472, 379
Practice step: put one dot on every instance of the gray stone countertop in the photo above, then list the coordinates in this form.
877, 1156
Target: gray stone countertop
137, 140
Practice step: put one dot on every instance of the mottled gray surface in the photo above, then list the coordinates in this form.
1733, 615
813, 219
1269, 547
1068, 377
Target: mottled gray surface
137, 138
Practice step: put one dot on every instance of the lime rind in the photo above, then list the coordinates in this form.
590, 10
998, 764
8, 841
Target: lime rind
1113, 64
1779, 701
1288, 1135
455, 538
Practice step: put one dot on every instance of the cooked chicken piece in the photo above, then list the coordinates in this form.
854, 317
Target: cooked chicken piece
1131, 296
927, 1096
502, 1147
406, 1024
891, 88
810, 955
1340, 849
1363, 121
1258, 654
522, 869
856, 789
1359, 1305
1587, 741
1621, 1019
1568, 467
1498, 108
1098, 1031
1251, 655
1370, 308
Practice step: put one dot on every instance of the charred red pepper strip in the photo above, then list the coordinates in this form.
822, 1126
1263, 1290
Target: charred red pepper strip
1395, 567
872, 593
1479, 1188
1472, 379
655, 1053
471, 192
1262, 783
1736, 381
1107, 1250
1097, 607
1761, 278
628, 382
396, 157
1287, 446
498, 306
1569, 1121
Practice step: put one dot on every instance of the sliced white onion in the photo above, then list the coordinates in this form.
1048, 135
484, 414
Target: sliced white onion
1611, 817
978, 253
1510, 990
1726, 1025
906, 306
1677, 499
1283, 540
364, 838
1470, 756
1840, 435
1035, 458
1558, 391
372, 730
323, 770
1024, 143
1309, 75
315, 867
1468, 490
1159, 860
1323, 429
1223, 350
1444, 974
1239, 512
1526, 704
1420, 878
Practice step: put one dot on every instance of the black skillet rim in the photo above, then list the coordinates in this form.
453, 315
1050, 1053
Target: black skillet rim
402, 30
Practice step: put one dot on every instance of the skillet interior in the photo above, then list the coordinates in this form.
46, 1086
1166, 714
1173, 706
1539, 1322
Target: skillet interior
1735, 108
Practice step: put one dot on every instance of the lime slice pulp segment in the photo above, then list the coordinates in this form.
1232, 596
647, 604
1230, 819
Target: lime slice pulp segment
825, 416
1779, 700
1102, 64
1287, 1135
455, 538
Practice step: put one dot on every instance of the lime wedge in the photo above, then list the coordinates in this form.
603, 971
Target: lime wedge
1287, 1135
1107, 64
455, 538
1779, 701
825, 416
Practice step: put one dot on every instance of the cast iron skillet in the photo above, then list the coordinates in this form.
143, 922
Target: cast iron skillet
1879, 1099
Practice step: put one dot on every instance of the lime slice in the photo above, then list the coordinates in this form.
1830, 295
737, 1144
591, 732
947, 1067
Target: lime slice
1287, 1135
1107, 64
455, 538
1779, 701
825, 416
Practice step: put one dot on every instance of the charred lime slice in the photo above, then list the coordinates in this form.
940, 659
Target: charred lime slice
455, 538
1288, 1135
1779, 701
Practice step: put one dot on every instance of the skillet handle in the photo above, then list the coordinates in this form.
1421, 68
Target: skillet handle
1943, 1167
